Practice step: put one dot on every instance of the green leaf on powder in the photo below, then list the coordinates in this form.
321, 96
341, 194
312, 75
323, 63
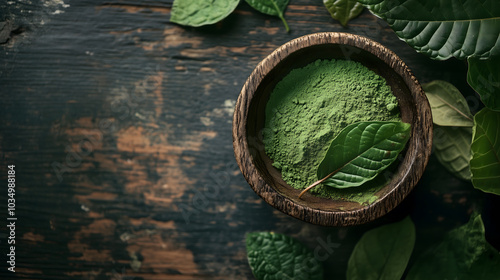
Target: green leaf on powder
343, 10
452, 149
383, 253
463, 254
201, 12
361, 151
484, 77
485, 161
271, 7
444, 28
449, 107
275, 256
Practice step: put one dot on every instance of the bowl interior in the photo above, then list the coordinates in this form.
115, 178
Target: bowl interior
300, 58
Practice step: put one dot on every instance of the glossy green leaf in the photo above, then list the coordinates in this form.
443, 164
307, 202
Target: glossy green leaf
343, 10
382, 253
201, 12
484, 77
463, 254
275, 256
449, 107
485, 161
271, 7
361, 151
452, 149
444, 28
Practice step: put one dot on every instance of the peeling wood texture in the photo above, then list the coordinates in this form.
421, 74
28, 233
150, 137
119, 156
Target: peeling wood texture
248, 122
119, 124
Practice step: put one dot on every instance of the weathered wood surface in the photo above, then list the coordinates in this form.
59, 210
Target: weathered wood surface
119, 124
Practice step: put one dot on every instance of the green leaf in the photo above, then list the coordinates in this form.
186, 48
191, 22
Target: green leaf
452, 149
275, 256
444, 28
271, 7
383, 253
343, 10
361, 151
484, 77
201, 12
485, 161
463, 254
449, 107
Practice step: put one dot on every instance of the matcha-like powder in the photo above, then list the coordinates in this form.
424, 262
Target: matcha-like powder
310, 106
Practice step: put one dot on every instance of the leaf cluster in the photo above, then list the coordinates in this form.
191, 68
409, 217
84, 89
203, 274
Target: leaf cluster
200, 12
382, 253
468, 29
467, 146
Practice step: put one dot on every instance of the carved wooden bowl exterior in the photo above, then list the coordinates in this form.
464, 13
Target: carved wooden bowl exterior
249, 118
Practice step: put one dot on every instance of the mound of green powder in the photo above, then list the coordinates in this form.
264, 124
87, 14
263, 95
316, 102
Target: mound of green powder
310, 106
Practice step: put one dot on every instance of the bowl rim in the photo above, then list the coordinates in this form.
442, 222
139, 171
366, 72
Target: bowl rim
384, 204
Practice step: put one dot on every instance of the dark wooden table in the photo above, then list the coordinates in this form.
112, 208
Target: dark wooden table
118, 123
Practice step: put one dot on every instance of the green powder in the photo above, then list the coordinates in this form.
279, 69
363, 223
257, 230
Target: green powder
310, 106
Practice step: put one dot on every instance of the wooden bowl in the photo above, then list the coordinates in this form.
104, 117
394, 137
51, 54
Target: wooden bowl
249, 118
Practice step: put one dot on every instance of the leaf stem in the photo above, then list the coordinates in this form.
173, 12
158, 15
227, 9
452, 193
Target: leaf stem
280, 15
319, 182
